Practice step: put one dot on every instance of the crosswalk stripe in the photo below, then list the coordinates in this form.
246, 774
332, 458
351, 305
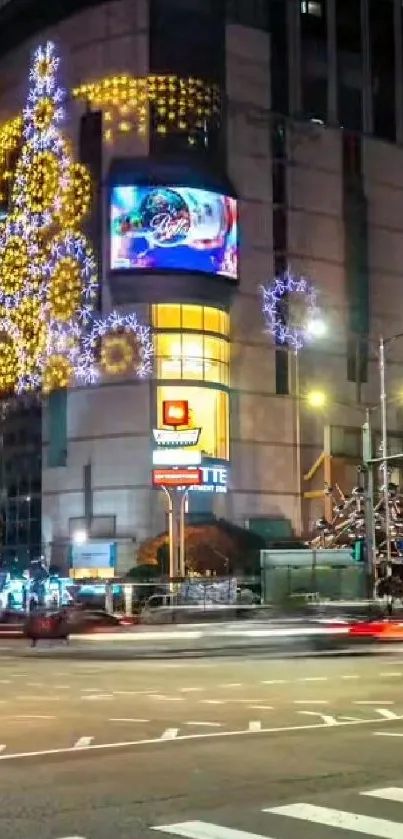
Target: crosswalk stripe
206, 830
381, 828
388, 793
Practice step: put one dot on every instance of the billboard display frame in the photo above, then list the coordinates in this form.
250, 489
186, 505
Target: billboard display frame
153, 268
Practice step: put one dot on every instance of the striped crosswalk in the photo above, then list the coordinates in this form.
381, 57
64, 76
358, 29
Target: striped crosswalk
347, 822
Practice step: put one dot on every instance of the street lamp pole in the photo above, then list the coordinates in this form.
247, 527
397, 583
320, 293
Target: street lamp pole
298, 464
370, 543
182, 533
384, 432
172, 564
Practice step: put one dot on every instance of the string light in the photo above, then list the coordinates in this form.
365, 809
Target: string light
184, 106
64, 294
14, 270
115, 354
283, 328
48, 271
57, 374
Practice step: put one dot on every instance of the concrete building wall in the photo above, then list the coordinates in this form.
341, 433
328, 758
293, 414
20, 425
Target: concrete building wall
110, 426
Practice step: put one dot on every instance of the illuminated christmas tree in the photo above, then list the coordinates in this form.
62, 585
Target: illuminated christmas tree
49, 330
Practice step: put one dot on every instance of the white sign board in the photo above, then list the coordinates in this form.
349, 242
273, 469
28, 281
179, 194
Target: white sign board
172, 437
176, 457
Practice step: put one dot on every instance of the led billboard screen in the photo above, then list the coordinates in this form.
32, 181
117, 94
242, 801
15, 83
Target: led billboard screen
173, 229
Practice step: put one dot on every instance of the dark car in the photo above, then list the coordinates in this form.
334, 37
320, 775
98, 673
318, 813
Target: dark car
92, 620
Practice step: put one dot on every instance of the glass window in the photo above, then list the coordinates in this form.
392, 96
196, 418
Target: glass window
166, 316
192, 356
209, 410
224, 324
382, 38
192, 317
211, 320
197, 318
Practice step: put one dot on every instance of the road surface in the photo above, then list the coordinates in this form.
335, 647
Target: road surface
208, 749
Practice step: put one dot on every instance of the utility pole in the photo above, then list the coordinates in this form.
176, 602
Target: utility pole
384, 429
370, 545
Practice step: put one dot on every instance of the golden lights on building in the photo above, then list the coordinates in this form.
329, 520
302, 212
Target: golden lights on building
127, 102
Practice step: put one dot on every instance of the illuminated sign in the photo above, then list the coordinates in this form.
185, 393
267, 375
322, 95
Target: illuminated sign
171, 228
176, 477
175, 412
176, 457
214, 478
173, 437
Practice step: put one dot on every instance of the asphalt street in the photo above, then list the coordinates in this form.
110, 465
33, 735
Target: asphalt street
205, 749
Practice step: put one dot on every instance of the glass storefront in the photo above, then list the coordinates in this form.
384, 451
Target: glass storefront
192, 345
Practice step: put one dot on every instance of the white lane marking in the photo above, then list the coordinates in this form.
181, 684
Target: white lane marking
275, 682
134, 692
2, 747
207, 724
167, 698
372, 702
387, 793
255, 725
126, 719
35, 684
326, 718
5, 681
33, 717
95, 697
390, 674
311, 702
205, 830
261, 707
63, 687
25, 698
170, 734
184, 737
382, 828
388, 715
314, 679
387, 734
350, 677
90, 690
191, 690
83, 742
213, 701
232, 685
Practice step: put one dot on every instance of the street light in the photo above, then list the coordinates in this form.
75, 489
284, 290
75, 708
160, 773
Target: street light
80, 537
316, 398
383, 342
315, 328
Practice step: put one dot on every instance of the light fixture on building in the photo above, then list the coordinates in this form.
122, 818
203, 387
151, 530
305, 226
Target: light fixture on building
80, 537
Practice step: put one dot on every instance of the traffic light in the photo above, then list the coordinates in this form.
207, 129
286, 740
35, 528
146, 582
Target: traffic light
358, 550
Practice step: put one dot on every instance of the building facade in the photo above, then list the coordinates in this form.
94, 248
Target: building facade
292, 113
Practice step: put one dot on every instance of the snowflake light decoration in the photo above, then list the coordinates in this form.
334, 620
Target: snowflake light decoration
48, 271
275, 294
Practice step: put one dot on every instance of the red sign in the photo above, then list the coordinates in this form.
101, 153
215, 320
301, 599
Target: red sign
175, 412
176, 477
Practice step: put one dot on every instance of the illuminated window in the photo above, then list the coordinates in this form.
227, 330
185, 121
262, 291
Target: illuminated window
183, 355
190, 317
209, 410
166, 316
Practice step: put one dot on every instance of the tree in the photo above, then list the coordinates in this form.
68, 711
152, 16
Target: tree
219, 547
